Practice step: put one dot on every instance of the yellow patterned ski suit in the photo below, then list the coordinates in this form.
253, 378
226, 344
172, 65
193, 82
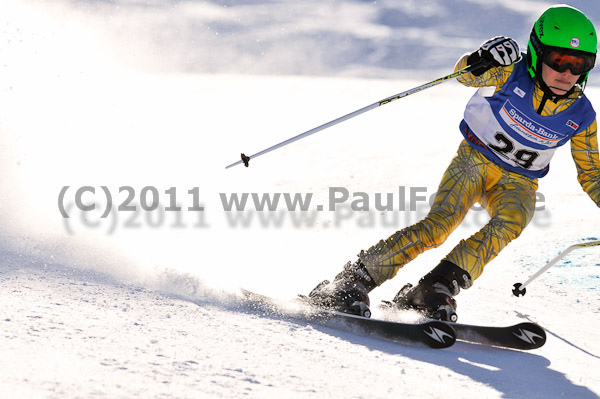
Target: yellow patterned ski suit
508, 197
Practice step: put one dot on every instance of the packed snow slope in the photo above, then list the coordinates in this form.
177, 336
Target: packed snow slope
140, 105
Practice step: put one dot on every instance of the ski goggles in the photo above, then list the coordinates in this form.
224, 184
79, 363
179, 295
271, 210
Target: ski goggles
578, 62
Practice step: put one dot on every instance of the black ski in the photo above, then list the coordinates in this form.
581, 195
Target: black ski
432, 333
522, 336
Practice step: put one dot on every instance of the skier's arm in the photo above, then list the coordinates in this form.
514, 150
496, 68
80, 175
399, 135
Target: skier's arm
584, 148
492, 77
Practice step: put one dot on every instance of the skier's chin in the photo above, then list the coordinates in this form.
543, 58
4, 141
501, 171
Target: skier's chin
558, 91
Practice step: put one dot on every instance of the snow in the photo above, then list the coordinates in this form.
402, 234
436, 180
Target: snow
165, 94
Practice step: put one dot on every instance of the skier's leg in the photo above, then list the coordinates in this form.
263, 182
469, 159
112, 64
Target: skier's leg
509, 198
511, 204
461, 186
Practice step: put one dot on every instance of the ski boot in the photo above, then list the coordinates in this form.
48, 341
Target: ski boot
347, 293
433, 296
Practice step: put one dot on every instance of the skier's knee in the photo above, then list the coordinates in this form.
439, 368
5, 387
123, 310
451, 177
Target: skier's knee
506, 228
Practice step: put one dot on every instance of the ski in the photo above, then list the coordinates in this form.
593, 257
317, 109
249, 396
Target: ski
523, 336
431, 333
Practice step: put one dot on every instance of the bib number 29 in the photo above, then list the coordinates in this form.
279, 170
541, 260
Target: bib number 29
506, 148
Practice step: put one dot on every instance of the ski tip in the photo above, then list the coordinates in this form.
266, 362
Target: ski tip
530, 335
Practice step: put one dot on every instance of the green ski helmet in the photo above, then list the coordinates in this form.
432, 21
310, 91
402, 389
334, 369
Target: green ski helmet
566, 29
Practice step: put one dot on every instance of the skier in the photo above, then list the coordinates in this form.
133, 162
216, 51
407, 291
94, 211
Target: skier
509, 139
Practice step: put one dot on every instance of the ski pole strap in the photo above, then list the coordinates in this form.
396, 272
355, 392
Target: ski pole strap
246, 159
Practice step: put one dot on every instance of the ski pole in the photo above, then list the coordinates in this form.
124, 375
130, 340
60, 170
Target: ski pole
519, 289
246, 159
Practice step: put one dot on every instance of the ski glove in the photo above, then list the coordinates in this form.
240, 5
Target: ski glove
498, 51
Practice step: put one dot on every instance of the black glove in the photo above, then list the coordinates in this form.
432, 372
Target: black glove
496, 52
